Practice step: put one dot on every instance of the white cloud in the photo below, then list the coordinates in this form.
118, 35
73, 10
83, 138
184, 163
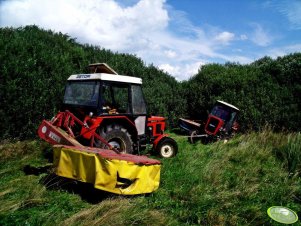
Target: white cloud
140, 28
170, 69
184, 71
150, 29
243, 37
284, 50
170, 53
224, 37
260, 36
234, 58
293, 13
290, 9
99, 22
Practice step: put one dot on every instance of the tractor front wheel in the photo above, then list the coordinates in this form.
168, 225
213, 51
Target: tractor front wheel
118, 137
167, 147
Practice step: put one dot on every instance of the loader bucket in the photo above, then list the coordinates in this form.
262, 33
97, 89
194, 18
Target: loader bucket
107, 170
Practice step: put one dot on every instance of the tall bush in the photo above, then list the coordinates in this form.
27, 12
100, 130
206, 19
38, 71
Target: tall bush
35, 63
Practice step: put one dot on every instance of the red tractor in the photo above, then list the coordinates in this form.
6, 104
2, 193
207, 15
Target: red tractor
106, 110
221, 124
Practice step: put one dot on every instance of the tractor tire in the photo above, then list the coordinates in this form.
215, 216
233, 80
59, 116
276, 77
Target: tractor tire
118, 137
167, 147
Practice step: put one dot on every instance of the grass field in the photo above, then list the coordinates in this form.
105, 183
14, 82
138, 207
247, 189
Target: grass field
216, 184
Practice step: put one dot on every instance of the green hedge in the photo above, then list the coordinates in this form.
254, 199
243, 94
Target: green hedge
35, 63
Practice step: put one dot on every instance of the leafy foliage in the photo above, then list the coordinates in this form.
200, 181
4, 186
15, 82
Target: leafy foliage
35, 63
266, 91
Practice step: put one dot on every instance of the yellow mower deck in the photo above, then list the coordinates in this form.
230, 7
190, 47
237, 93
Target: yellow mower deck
107, 170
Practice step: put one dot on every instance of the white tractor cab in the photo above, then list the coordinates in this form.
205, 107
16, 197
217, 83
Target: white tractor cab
105, 94
113, 107
220, 124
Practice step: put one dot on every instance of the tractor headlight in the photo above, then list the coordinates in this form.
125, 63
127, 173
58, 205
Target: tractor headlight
91, 114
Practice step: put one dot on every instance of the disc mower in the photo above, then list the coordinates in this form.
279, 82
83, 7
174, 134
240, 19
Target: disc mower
102, 126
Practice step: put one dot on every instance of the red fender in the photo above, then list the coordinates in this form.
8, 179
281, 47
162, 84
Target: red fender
158, 139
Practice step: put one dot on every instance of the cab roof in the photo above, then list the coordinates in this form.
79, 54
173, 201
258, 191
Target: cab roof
106, 77
102, 71
227, 104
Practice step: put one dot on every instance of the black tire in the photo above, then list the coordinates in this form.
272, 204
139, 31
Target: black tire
167, 147
206, 140
116, 136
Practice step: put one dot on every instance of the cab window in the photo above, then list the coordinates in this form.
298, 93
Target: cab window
138, 101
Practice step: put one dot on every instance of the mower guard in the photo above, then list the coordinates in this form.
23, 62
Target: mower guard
55, 135
107, 170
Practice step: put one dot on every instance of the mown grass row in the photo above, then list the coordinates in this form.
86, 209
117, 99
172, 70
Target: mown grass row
216, 184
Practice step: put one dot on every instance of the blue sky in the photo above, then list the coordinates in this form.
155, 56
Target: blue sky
177, 36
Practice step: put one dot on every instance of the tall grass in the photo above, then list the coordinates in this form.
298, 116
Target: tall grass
228, 184
290, 154
217, 184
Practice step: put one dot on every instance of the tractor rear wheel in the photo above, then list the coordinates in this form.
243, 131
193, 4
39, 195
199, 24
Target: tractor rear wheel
167, 147
118, 137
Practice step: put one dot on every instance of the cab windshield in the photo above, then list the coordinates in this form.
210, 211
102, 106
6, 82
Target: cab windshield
82, 93
223, 112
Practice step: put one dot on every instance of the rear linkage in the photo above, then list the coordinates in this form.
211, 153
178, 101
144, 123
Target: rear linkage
59, 131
